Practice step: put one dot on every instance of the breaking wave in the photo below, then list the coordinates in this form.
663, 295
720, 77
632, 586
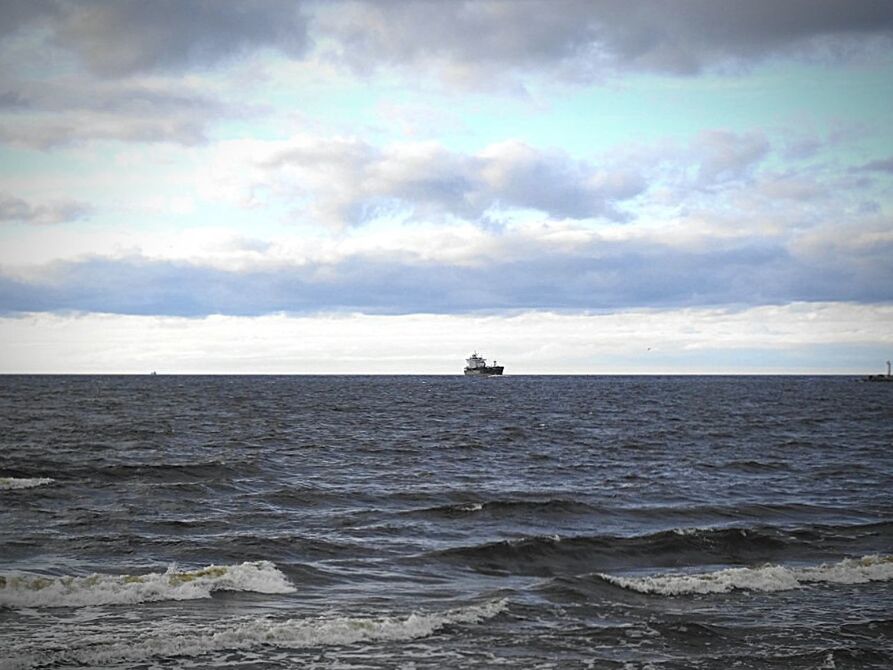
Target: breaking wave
24, 589
8, 483
251, 633
764, 578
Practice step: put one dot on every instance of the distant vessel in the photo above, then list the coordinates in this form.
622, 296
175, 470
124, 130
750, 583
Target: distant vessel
477, 365
881, 378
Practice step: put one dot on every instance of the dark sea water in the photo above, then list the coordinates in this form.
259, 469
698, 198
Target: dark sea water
446, 522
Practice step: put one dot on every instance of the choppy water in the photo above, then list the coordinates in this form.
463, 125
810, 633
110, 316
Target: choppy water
421, 522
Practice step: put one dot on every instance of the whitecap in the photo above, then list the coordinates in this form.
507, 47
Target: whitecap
685, 532
24, 589
766, 578
9, 483
130, 644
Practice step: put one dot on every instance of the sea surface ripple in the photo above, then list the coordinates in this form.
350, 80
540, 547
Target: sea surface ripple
430, 522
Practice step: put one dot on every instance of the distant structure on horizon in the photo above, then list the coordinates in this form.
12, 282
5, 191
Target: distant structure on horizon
477, 365
881, 378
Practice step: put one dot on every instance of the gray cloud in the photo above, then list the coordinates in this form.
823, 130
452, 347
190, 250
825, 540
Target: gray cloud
552, 182
56, 112
136, 39
829, 265
472, 39
16, 210
125, 37
588, 39
480, 42
16, 14
44, 133
882, 165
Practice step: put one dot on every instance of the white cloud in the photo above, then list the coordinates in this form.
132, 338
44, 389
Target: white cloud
700, 258
345, 181
791, 338
727, 156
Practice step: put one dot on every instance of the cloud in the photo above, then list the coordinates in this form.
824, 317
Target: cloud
794, 338
586, 39
791, 186
846, 248
16, 14
139, 86
881, 165
341, 182
542, 268
727, 156
48, 131
127, 37
552, 182
16, 210
50, 113
84, 67
471, 40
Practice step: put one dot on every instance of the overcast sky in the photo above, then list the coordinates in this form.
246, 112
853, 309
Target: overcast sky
570, 187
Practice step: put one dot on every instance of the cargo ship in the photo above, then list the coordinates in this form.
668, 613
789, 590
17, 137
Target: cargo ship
477, 365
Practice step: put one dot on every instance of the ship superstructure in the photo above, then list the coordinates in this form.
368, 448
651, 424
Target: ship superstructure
477, 365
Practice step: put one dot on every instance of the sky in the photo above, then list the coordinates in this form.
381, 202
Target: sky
570, 187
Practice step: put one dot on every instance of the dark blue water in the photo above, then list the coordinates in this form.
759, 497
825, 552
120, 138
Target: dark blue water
428, 522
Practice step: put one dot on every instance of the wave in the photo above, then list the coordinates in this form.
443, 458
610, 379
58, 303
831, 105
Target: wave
252, 633
748, 466
167, 473
544, 555
554, 506
551, 555
21, 589
767, 578
9, 483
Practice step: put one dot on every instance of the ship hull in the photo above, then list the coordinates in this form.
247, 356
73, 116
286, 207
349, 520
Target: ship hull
488, 371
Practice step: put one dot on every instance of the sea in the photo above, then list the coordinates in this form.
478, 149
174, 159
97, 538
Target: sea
249, 522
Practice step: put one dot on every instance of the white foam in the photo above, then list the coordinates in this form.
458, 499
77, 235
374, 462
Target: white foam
684, 532
132, 644
23, 589
8, 483
764, 578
